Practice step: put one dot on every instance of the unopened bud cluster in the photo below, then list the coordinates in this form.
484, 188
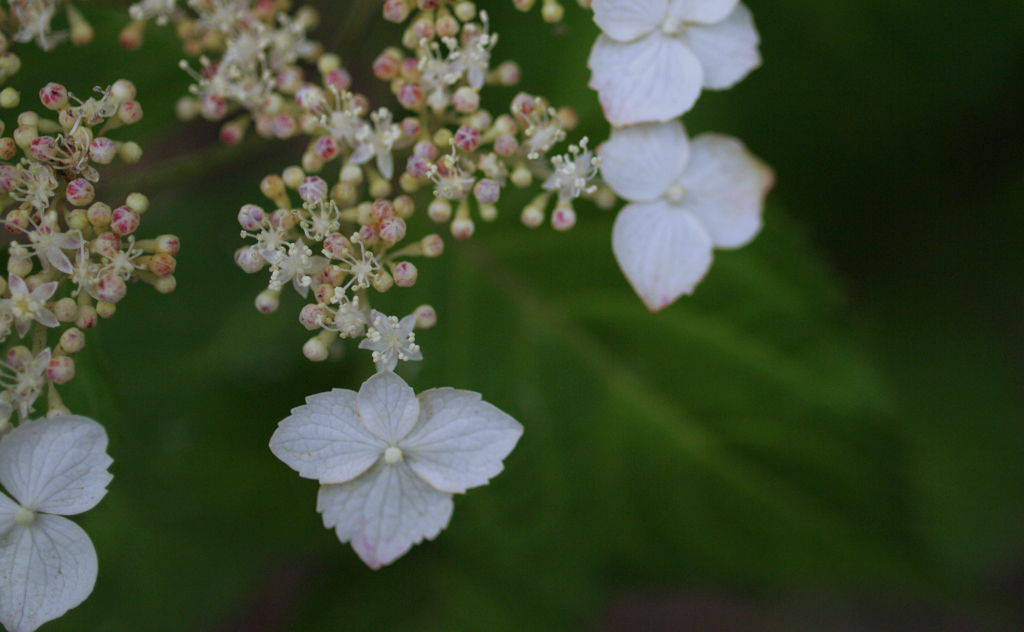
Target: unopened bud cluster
72, 257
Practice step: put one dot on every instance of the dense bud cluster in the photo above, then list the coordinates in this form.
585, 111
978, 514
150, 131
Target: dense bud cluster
72, 257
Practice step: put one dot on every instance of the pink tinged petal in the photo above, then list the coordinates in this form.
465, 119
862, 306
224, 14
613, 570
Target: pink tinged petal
326, 440
626, 20
384, 512
44, 291
655, 78
57, 465
728, 51
60, 261
46, 318
725, 187
386, 164
663, 250
701, 11
362, 153
22, 325
388, 406
641, 162
460, 441
46, 568
17, 284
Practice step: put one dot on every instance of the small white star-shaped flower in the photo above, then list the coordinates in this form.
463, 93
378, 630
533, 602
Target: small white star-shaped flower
52, 467
388, 461
391, 340
654, 56
686, 199
28, 306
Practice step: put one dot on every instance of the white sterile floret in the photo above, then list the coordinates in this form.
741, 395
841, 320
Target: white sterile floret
654, 56
686, 199
391, 340
388, 461
52, 468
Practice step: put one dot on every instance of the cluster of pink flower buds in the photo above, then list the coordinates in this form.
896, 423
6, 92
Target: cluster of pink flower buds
72, 257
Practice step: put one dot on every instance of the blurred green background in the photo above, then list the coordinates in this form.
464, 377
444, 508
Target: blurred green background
827, 436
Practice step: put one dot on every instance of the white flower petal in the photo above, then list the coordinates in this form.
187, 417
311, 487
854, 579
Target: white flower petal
626, 20
385, 164
701, 11
725, 188
57, 465
388, 406
384, 512
459, 441
44, 291
46, 318
17, 284
46, 568
641, 162
7, 509
60, 261
727, 50
326, 440
362, 154
663, 251
655, 78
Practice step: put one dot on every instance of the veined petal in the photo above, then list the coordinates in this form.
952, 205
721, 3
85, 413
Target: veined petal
388, 406
655, 78
46, 318
727, 50
44, 291
46, 568
57, 465
326, 440
701, 11
725, 187
641, 162
384, 512
663, 251
17, 284
459, 441
60, 261
7, 509
626, 20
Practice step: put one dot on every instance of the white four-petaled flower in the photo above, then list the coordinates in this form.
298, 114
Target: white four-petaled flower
52, 467
388, 461
687, 198
654, 56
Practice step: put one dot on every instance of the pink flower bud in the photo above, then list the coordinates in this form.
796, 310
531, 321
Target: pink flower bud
405, 274
313, 189
466, 100
268, 301
87, 317
523, 105
325, 148
563, 218
249, 260
17, 356
426, 317
289, 79
467, 138
410, 127
339, 79
337, 246
251, 217
284, 126
432, 245
130, 112
486, 191
447, 26
410, 68
8, 176
508, 73
80, 192
122, 90
213, 108
110, 288
381, 210
8, 148
72, 340
440, 210
309, 96
102, 150
425, 149
418, 166
427, 5
462, 228
232, 132
61, 370
168, 244
396, 11
385, 67
404, 206
411, 95
369, 234
66, 310
43, 148
162, 265
312, 317
107, 244
54, 96
392, 230
124, 221
506, 145
332, 276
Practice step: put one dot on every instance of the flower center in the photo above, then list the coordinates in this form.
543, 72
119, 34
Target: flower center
393, 456
24, 517
676, 194
672, 26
